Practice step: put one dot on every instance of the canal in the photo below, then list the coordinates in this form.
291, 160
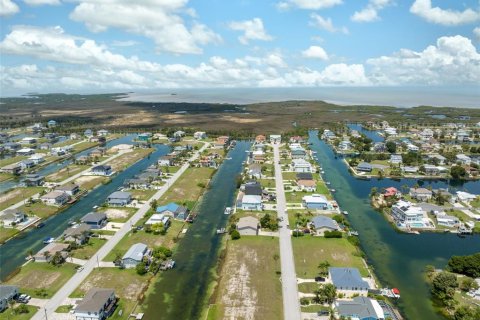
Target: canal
398, 259
182, 292
14, 251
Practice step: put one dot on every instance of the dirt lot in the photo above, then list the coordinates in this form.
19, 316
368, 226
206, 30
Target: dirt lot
116, 213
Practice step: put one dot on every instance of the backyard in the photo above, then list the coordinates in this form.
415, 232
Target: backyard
16, 195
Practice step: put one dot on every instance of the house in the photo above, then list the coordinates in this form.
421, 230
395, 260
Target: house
364, 167
412, 148
82, 160
134, 255
379, 147
410, 169
260, 138
47, 252
463, 159
37, 158
298, 153
179, 134
7, 293
426, 134
166, 161
396, 159
119, 199
247, 226
98, 304
465, 196
159, 218
174, 210
408, 215
70, 188
322, 224
360, 308
348, 281
315, 201
296, 139
345, 145
447, 221
97, 153
200, 135
78, 233
255, 171
137, 183
252, 203
390, 192
14, 168
438, 159
221, 141
307, 185
101, 170
25, 152
301, 165
28, 141
55, 198
421, 194
33, 180
12, 146
102, 133
12, 217
275, 138
390, 131
96, 220
258, 156
328, 134
88, 133
74, 136
253, 188
52, 123
27, 164
304, 176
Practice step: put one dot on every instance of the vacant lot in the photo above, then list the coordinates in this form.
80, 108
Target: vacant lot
142, 195
127, 159
10, 315
39, 209
6, 233
88, 250
16, 195
34, 276
90, 182
83, 146
66, 172
249, 286
7, 161
309, 251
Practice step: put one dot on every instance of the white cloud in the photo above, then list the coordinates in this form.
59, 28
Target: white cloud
159, 20
325, 24
476, 33
252, 30
42, 2
308, 4
370, 12
315, 52
453, 60
424, 9
8, 7
334, 74
125, 43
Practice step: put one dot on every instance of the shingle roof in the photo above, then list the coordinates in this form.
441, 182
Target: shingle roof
361, 307
324, 222
347, 278
94, 217
94, 300
136, 252
7, 291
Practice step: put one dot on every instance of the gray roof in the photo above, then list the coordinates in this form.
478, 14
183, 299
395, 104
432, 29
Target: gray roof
304, 176
94, 217
136, 252
101, 168
347, 278
253, 190
364, 165
94, 300
77, 230
324, 222
67, 187
120, 195
360, 307
7, 291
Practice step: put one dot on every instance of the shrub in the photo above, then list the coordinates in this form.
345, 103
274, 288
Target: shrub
333, 234
235, 235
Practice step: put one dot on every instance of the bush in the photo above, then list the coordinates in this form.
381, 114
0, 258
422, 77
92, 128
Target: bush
141, 268
333, 234
304, 301
235, 235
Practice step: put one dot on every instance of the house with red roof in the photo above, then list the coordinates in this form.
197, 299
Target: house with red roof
390, 192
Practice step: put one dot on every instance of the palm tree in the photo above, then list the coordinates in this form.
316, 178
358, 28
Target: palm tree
323, 266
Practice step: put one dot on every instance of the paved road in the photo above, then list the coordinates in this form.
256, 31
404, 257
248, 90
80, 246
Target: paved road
80, 276
291, 304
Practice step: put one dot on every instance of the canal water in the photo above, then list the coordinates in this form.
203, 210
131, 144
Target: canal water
14, 251
397, 259
182, 292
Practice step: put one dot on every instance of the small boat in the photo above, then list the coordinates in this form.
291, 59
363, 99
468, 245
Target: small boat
71, 223
228, 158
48, 240
228, 210
345, 213
333, 190
327, 183
40, 225
353, 233
95, 207
221, 231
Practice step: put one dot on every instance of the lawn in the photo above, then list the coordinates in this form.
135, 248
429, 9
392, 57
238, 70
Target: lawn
126, 283
476, 203
5, 176
88, 250
308, 287
83, 146
7, 161
66, 172
10, 315
65, 143
149, 239
289, 175
118, 214
126, 160
296, 196
6, 233
142, 195
267, 183
250, 287
16, 195
170, 169
34, 276
90, 182
309, 251
39, 209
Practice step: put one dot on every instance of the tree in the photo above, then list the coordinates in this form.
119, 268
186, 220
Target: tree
391, 146
323, 267
467, 313
458, 172
141, 268
57, 259
443, 286
329, 292
466, 265
235, 234
157, 227
154, 204
468, 284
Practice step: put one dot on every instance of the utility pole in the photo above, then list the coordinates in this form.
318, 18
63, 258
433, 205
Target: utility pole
46, 317
98, 263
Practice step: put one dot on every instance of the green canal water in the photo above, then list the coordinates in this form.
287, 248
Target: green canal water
398, 259
181, 293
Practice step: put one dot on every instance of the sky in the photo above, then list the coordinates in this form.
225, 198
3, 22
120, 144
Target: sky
88, 46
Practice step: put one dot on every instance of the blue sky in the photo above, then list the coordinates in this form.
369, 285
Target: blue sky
98, 45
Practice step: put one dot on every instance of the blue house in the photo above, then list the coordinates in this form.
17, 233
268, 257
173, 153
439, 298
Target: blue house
315, 201
52, 123
174, 210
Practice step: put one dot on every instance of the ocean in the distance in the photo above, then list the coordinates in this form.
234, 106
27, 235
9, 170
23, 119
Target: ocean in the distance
468, 97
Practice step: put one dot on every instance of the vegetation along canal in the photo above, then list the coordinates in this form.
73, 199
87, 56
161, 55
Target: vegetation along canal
197, 253
14, 251
398, 259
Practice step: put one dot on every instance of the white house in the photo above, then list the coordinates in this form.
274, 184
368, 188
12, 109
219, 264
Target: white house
134, 255
408, 215
199, 135
252, 203
37, 158
55, 198
158, 218
301, 165
98, 304
275, 138
463, 159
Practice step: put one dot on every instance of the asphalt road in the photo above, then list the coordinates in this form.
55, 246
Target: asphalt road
291, 304
80, 276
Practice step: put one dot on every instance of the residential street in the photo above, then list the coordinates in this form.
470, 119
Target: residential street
58, 299
291, 304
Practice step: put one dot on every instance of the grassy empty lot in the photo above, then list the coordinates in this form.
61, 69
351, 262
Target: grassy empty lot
267, 183
66, 172
65, 143
88, 250
249, 285
90, 182
39, 209
5, 176
83, 146
309, 251
16, 195
34, 276
142, 195
6, 233
149, 239
7, 161
9, 314
118, 214
127, 159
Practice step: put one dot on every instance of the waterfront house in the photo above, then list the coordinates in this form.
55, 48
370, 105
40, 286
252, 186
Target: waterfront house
408, 215
55, 198
96, 220
421, 194
37, 158
348, 281
247, 226
296, 139
12, 217
101, 170
255, 171
301, 165
304, 176
14, 168
345, 145
88, 133
252, 203
137, 183
315, 201
25, 152
52, 123
322, 224
364, 167
396, 159
390, 192
166, 161
134, 255
174, 210
447, 221
70, 188
307, 185
221, 141
200, 135
260, 138
328, 135
359, 308
463, 159
7, 294
46, 253
258, 156
410, 169
28, 141
33, 180
102, 133
98, 304
275, 138
437, 159
465, 196
78, 233
27, 164
12, 146
82, 160
252, 188
159, 218
119, 199
298, 153
379, 147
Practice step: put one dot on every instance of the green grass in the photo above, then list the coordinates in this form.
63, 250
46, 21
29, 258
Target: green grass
18, 194
214, 312
170, 169
88, 250
309, 251
34, 276
9, 314
65, 143
142, 195
296, 196
5, 176
39, 209
127, 211
66, 172
7, 233
83, 146
308, 287
64, 308
7, 161
289, 175
149, 239
475, 203
92, 183
267, 183
313, 308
